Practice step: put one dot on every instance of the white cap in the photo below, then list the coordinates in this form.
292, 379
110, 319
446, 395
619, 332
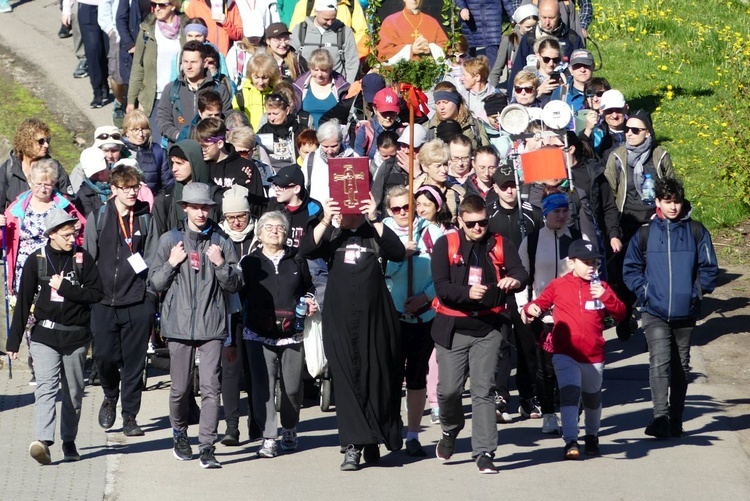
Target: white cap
253, 27
107, 130
525, 11
612, 100
130, 162
420, 135
93, 161
326, 5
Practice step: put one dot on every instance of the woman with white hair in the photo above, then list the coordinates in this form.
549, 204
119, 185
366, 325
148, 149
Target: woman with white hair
315, 165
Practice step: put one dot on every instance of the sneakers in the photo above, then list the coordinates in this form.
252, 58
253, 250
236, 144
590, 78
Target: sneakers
289, 441
485, 464
351, 459
591, 445
501, 410
5, 7
118, 115
571, 450
659, 427
268, 449
70, 453
32, 381
151, 349
529, 409
435, 415
207, 458
107, 413
550, 424
64, 32
414, 449
40, 452
82, 70
445, 446
130, 427
232, 437
182, 450
97, 102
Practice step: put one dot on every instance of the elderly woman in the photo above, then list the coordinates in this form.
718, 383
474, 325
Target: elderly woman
31, 142
276, 279
262, 74
151, 157
449, 105
160, 41
315, 165
361, 334
433, 157
411, 34
24, 218
320, 88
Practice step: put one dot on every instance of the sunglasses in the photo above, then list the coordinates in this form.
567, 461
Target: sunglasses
482, 223
243, 153
591, 93
44, 140
523, 90
400, 210
155, 5
634, 130
277, 98
555, 60
115, 135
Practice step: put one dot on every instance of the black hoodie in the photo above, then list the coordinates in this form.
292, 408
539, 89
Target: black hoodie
228, 172
284, 150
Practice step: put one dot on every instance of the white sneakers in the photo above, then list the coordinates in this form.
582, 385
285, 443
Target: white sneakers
550, 424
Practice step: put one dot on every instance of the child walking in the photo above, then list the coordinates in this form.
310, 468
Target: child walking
577, 342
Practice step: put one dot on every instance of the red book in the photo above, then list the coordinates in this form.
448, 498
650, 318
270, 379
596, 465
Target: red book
349, 182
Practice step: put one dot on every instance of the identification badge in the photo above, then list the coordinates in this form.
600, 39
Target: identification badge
592, 305
79, 257
55, 297
195, 260
137, 263
350, 256
475, 275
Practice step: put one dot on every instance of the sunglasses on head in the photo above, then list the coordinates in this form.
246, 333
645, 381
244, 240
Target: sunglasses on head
523, 90
591, 93
278, 98
482, 223
43, 140
555, 60
400, 210
634, 130
115, 135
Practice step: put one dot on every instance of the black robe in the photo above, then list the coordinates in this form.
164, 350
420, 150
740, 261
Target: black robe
361, 335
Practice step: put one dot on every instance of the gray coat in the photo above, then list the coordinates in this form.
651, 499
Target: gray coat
345, 59
194, 305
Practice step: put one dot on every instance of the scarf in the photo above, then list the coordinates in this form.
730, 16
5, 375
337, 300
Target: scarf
237, 236
637, 156
101, 188
170, 31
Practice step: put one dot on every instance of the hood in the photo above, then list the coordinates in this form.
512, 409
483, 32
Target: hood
194, 155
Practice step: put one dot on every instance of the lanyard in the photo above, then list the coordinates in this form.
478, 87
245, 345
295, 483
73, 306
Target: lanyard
63, 266
128, 239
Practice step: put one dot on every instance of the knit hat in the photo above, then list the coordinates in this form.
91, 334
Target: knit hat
386, 100
554, 202
326, 6
235, 200
495, 104
447, 130
58, 217
645, 117
583, 250
93, 161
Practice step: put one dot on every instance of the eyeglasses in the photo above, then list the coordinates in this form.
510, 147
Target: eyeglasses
274, 227
523, 90
634, 130
48, 186
139, 131
128, 189
237, 218
42, 140
555, 60
400, 210
206, 147
115, 135
591, 93
460, 160
155, 5
482, 223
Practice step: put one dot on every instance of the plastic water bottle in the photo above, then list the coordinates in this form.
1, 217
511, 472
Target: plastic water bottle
300, 312
595, 280
647, 189
389, 283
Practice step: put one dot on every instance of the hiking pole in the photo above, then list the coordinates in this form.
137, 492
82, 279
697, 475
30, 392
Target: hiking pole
7, 308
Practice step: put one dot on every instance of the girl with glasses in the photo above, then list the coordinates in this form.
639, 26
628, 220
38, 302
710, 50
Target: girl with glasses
151, 157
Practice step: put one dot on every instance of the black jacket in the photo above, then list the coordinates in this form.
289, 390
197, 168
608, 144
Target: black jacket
87, 200
78, 293
451, 286
13, 181
267, 289
285, 151
590, 177
228, 172
506, 221
301, 220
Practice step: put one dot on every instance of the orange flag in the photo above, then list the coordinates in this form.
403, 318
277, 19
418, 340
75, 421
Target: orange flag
543, 164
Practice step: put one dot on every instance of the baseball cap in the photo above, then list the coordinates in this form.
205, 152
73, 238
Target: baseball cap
612, 100
386, 100
583, 250
93, 161
503, 174
291, 175
420, 135
275, 30
372, 83
326, 5
582, 56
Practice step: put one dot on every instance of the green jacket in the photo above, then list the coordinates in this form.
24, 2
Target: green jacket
616, 171
142, 85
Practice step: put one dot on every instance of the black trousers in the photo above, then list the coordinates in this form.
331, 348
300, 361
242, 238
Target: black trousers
95, 45
120, 342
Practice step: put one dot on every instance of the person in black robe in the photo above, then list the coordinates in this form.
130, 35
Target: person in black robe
360, 330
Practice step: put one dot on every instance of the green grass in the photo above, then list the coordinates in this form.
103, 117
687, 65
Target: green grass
18, 104
687, 62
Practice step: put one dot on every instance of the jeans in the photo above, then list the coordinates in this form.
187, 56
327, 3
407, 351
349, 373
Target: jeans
668, 350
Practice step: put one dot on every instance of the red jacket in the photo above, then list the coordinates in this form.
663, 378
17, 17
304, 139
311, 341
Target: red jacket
577, 330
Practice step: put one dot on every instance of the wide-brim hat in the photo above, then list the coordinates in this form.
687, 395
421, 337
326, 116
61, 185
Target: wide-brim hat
197, 194
55, 219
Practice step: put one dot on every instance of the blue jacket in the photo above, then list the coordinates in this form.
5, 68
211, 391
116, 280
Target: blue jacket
671, 277
484, 27
154, 164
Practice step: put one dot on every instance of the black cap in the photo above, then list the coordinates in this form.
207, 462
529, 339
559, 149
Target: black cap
290, 175
503, 174
275, 30
583, 250
448, 129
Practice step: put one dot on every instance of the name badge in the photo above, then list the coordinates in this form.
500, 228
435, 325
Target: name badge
475, 275
137, 263
350, 256
55, 297
79, 257
195, 260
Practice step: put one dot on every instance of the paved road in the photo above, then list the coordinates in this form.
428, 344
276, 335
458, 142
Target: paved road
710, 461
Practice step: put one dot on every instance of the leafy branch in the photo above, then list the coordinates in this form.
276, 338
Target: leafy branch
422, 73
373, 26
451, 21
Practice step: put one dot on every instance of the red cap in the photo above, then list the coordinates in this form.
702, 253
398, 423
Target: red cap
386, 100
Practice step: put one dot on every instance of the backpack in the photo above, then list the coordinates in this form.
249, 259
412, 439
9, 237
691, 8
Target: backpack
310, 161
531, 247
144, 220
340, 38
174, 101
369, 135
496, 253
41, 269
